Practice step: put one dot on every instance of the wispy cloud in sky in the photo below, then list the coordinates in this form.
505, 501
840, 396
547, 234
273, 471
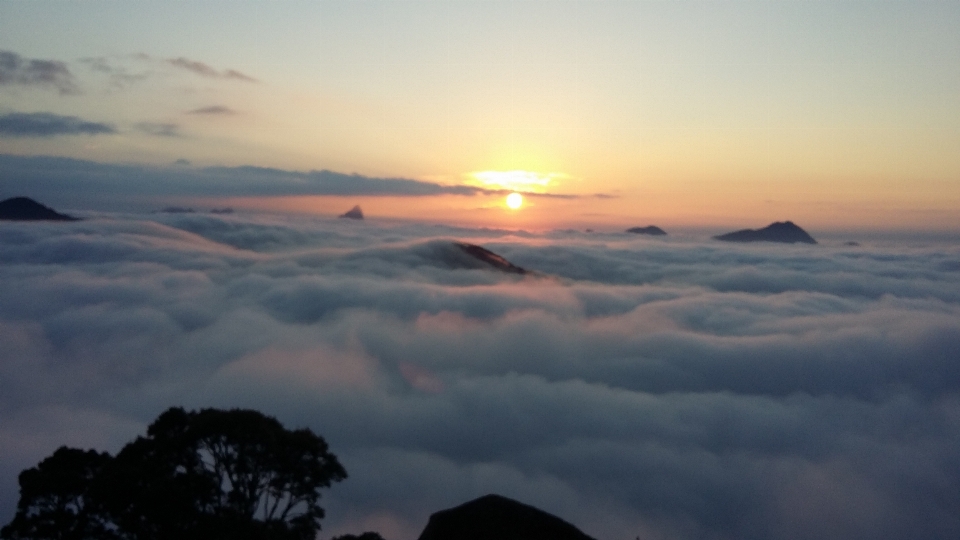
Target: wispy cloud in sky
20, 71
206, 70
636, 387
120, 76
213, 110
49, 125
159, 129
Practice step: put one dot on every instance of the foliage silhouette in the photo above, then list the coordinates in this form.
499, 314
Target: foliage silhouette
55, 498
364, 536
208, 474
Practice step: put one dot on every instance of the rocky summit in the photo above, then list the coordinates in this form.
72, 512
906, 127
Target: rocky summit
486, 256
781, 231
353, 213
652, 230
26, 209
494, 517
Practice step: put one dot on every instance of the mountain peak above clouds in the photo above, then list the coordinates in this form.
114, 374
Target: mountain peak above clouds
781, 231
652, 230
490, 258
353, 213
26, 209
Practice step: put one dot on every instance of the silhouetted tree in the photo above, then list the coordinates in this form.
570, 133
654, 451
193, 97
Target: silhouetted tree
365, 536
55, 499
209, 474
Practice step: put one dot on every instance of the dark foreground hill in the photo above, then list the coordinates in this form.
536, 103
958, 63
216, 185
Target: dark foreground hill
652, 230
493, 517
781, 231
26, 209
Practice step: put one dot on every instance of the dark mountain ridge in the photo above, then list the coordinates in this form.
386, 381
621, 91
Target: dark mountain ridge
485, 255
652, 230
781, 231
27, 209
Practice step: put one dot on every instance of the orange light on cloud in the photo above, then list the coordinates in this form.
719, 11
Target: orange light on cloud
517, 180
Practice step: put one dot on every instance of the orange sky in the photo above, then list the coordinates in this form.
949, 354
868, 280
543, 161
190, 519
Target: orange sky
696, 112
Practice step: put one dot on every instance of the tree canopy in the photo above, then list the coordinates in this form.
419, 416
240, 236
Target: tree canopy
369, 535
208, 474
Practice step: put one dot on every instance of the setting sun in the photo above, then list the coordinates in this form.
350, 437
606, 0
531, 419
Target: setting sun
514, 200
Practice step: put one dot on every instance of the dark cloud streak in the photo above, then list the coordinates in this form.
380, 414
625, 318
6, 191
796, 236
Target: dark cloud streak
49, 125
213, 110
205, 70
51, 177
159, 129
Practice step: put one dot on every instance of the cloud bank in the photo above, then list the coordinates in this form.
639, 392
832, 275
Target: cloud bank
666, 389
65, 181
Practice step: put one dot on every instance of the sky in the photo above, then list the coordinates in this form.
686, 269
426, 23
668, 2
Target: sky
666, 388
704, 113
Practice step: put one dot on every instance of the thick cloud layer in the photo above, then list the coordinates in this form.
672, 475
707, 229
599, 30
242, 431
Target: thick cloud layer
634, 386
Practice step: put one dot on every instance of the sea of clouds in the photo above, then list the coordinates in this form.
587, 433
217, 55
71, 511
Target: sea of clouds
662, 388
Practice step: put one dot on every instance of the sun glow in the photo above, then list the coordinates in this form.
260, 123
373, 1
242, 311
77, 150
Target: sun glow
515, 180
514, 200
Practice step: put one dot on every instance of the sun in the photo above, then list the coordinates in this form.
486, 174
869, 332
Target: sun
514, 200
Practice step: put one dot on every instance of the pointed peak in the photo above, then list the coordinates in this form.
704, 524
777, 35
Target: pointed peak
353, 213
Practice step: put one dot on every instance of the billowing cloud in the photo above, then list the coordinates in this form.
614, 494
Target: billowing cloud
19, 71
206, 70
661, 388
213, 110
49, 125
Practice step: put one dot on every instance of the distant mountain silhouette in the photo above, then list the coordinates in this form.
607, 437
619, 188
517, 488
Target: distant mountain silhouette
26, 209
353, 213
781, 231
652, 230
494, 517
491, 258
